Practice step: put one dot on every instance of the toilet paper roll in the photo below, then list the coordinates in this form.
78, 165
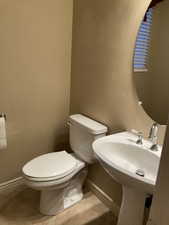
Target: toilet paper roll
3, 139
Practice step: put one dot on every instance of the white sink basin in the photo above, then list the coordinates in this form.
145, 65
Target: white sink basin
134, 166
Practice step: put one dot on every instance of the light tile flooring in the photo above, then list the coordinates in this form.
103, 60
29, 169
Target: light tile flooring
22, 209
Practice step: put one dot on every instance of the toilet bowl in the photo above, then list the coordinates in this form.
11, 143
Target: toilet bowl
60, 175
61, 189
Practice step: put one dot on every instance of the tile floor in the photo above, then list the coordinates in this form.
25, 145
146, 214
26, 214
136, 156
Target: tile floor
21, 208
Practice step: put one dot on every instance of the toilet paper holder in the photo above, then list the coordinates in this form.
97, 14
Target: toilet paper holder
3, 115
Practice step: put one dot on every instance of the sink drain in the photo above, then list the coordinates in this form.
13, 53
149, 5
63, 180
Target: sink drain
140, 173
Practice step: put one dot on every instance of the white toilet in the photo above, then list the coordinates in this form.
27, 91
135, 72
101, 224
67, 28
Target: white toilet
60, 175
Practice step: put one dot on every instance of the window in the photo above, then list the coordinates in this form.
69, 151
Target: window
141, 52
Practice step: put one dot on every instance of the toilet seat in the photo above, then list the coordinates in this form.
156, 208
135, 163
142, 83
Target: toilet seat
51, 166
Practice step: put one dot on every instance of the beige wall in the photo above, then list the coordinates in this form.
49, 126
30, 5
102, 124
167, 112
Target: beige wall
35, 55
102, 86
152, 86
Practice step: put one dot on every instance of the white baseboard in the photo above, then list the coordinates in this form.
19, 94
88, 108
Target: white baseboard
11, 185
103, 197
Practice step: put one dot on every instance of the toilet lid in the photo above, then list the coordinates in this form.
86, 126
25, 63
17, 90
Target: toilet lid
56, 164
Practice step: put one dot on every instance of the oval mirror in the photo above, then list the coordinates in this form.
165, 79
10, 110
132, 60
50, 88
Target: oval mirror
151, 61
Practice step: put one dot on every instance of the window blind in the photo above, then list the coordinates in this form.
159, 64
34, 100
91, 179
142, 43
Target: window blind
141, 52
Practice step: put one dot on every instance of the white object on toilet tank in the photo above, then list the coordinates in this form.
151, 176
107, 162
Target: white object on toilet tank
83, 131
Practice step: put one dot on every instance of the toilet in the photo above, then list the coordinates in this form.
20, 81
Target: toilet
60, 175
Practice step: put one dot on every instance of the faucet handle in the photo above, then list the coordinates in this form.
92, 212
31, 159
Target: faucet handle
139, 135
140, 138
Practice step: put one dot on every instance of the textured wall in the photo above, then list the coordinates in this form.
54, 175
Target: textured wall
35, 58
102, 84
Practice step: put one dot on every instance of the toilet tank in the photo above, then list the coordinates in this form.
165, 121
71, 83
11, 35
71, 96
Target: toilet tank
82, 132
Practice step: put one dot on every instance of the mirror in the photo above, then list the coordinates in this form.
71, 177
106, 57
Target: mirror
152, 81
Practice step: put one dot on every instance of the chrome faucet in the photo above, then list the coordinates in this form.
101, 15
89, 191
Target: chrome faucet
153, 137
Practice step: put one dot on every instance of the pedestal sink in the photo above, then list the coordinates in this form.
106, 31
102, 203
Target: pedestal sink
132, 165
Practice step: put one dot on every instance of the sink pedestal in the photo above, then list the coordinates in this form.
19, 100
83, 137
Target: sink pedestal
132, 207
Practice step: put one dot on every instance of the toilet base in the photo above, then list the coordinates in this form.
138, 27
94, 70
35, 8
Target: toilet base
56, 200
